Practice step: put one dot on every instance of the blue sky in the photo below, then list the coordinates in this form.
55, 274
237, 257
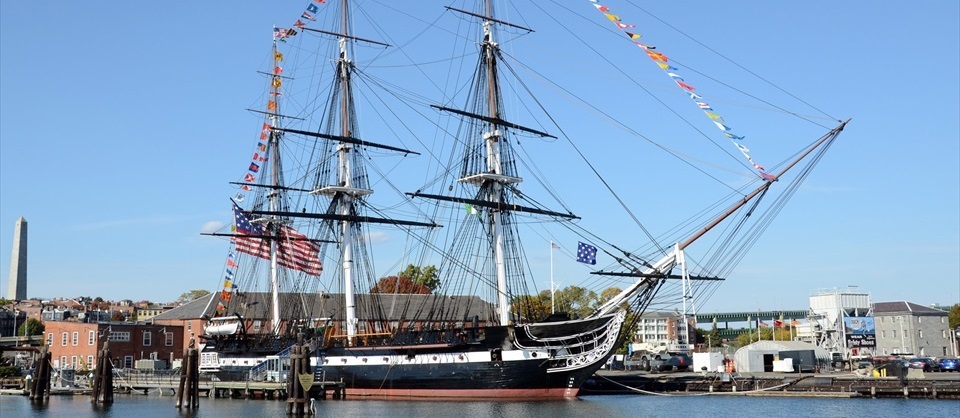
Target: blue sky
121, 126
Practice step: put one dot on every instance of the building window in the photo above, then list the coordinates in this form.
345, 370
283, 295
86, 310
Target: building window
884, 351
49, 339
883, 334
919, 319
128, 361
147, 338
63, 361
92, 339
90, 364
894, 332
76, 338
941, 319
63, 341
168, 339
944, 333
257, 324
920, 333
119, 336
73, 362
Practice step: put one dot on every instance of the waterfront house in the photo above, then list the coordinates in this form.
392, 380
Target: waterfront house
909, 328
74, 345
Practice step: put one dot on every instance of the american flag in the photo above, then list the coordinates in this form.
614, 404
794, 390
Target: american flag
294, 250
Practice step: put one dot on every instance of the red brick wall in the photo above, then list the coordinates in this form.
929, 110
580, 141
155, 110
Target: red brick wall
135, 346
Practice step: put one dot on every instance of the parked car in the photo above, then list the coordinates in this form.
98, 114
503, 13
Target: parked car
949, 364
925, 363
658, 362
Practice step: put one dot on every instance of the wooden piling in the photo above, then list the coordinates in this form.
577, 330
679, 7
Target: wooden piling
40, 391
103, 377
188, 391
298, 392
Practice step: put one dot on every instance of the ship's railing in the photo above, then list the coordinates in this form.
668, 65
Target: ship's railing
155, 377
262, 371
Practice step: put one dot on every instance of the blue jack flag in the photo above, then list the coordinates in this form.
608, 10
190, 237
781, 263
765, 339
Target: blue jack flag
586, 253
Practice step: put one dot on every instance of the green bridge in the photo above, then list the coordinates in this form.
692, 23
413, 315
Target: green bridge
745, 321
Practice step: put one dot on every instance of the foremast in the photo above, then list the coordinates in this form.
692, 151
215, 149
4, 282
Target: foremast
653, 273
494, 166
493, 172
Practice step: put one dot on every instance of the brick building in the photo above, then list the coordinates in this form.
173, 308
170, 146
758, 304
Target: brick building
75, 345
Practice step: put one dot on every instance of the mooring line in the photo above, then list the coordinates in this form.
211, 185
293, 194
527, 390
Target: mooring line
697, 394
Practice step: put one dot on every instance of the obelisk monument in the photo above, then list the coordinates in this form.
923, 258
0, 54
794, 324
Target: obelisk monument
17, 285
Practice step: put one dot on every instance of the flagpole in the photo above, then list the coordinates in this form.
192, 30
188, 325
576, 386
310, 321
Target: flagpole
552, 305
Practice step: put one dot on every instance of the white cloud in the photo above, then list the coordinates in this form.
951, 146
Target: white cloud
378, 237
211, 226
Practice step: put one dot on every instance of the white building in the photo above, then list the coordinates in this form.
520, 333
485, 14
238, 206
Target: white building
841, 323
667, 329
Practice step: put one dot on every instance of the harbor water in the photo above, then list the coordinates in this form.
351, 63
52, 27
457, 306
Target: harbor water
141, 406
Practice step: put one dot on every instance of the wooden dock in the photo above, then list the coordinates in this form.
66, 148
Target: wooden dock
929, 386
164, 386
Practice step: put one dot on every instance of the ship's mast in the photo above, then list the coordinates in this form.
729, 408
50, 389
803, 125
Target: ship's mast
272, 225
345, 179
494, 166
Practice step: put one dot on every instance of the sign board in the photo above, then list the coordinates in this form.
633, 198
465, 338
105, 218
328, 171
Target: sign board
860, 332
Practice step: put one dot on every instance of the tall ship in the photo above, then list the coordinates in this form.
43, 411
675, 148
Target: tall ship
451, 309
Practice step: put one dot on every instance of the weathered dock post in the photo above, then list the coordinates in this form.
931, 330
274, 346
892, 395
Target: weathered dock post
103, 377
300, 379
189, 387
40, 391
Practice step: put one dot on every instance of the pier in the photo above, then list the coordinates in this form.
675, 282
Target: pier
843, 385
163, 384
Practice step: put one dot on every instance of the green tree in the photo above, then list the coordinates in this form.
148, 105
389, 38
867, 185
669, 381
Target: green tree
766, 333
578, 301
5, 301
574, 300
713, 338
426, 276
628, 333
954, 316
31, 327
709, 338
191, 295
532, 308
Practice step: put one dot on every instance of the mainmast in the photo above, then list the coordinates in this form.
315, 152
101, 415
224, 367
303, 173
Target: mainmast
345, 175
345, 192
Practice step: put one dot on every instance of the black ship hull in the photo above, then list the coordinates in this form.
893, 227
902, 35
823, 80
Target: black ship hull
549, 360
